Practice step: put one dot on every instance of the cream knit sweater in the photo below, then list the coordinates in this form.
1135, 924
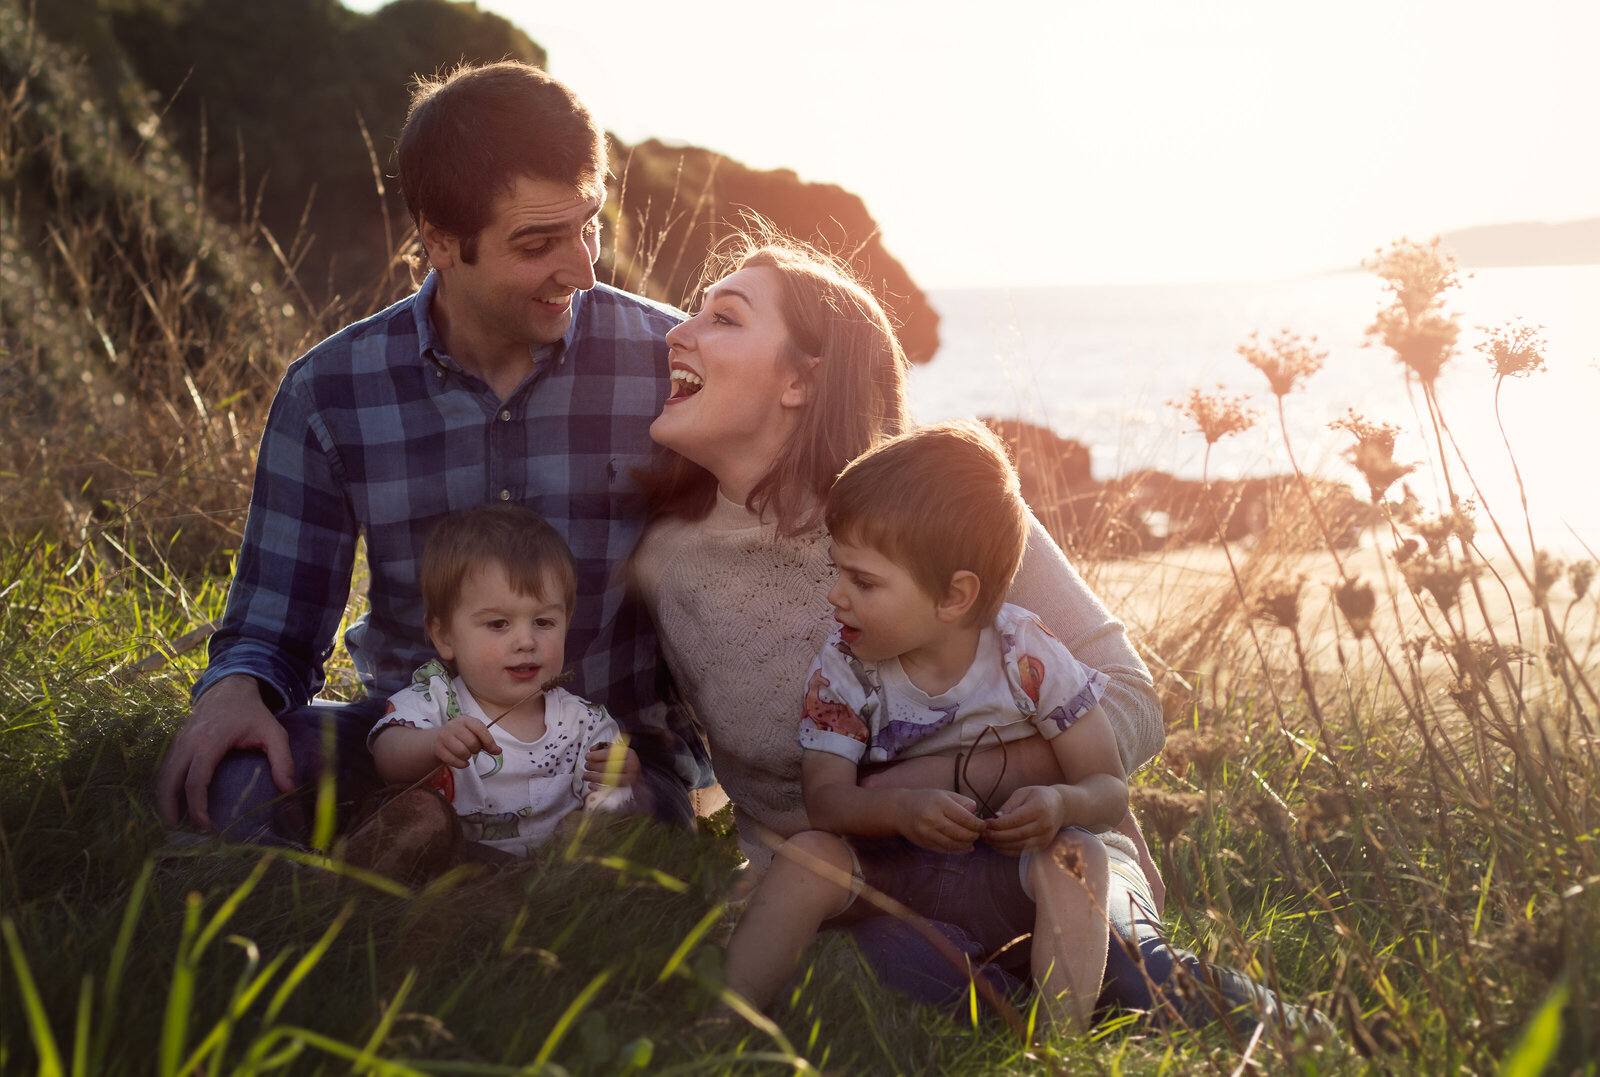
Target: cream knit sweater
741, 612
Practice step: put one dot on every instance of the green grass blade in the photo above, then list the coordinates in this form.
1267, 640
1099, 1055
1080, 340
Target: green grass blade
80, 1035
569, 1015
324, 820
44, 1041
174, 1027
303, 967
1540, 1038
339, 1049
225, 912
244, 995
698, 932
119, 962
386, 1022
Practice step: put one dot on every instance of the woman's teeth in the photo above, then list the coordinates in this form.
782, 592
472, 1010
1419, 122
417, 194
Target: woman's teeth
686, 383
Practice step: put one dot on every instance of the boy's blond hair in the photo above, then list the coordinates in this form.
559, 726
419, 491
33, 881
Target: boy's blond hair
938, 500
519, 539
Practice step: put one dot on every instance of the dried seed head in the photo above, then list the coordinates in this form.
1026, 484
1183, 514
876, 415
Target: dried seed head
1439, 576
1327, 810
1167, 812
1216, 415
1357, 602
1406, 550
1373, 453
1482, 655
1270, 816
1546, 574
1284, 359
1458, 522
1207, 751
1415, 326
1279, 602
1417, 274
1581, 575
1515, 350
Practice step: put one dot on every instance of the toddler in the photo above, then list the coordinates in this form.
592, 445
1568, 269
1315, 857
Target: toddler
928, 530
498, 585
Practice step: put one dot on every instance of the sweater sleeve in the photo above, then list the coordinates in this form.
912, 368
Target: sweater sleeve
1048, 585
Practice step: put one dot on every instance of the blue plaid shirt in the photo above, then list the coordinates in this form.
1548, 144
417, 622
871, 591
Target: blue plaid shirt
376, 434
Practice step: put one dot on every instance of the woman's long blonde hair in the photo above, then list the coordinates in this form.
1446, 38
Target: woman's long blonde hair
842, 342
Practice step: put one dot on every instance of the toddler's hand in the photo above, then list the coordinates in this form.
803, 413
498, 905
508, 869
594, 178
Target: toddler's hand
939, 820
1028, 821
598, 764
462, 738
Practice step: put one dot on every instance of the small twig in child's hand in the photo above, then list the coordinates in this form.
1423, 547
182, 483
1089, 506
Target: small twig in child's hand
554, 682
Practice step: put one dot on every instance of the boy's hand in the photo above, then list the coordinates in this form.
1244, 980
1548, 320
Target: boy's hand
598, 765
1027, 822
462, 738
939, 820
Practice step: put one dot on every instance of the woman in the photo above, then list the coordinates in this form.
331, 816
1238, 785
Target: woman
788, 371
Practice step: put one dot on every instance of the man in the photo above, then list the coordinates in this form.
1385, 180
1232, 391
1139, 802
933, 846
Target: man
509, 376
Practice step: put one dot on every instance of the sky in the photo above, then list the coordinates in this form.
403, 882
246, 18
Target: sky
1013, 143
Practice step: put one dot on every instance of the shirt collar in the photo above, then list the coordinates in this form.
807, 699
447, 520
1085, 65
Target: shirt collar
430, 347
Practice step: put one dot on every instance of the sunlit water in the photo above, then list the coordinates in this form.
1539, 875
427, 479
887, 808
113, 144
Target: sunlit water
1100, 364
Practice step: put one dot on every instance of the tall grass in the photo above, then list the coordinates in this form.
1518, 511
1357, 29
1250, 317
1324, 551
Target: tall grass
1387, 811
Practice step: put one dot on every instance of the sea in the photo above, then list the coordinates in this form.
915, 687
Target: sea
1102, 365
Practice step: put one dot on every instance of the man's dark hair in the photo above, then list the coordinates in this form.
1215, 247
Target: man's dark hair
472, 133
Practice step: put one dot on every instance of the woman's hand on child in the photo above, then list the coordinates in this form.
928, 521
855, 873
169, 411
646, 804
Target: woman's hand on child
611, 763
1027, 822
462, 738
939, 820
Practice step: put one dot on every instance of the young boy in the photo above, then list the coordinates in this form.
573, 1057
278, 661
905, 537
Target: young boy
498, 585
928, 531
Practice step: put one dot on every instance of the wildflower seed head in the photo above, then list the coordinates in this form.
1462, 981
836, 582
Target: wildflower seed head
1216, 415
1373, 453
1457, 522
1424, 342
1269, 816
1357, 602
1439, 576
1546, 574
1581, 575
1167, 812
1417, 274
1279, 602
1515, 350
1284, 359
1406, 551
1327, 811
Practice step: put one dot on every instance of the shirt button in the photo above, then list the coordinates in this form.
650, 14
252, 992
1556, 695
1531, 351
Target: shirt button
505, 416
505, 495
438, 373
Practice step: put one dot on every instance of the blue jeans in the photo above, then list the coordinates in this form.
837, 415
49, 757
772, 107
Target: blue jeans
906, 961
247, 807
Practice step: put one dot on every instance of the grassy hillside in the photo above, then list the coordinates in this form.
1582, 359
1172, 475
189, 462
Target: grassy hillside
1381, 791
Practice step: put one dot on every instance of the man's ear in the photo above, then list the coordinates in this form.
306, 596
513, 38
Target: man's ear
958, 597
797, 394
444, 249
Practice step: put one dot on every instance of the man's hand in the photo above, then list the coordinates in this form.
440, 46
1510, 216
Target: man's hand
608, 764
939, 820
1027, 822
228, 716
462, 738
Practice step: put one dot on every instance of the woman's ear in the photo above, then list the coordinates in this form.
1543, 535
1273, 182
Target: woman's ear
958, 597
797, 394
